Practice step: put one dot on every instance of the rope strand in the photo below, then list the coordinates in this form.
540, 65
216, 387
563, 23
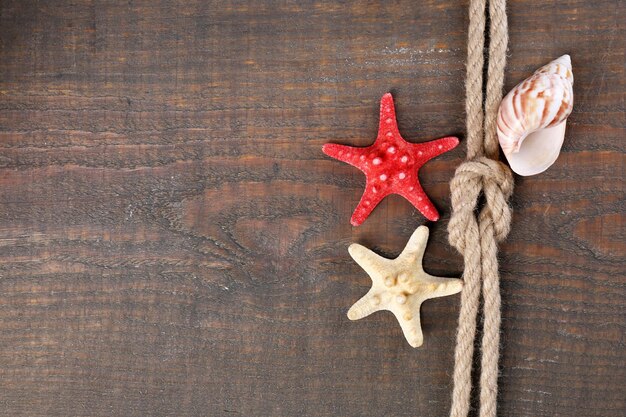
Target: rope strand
474, 78
476, 238
498, 40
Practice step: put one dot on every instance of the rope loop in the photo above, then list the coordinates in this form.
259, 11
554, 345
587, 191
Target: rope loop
494, 180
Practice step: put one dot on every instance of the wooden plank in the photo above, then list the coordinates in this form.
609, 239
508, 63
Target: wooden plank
173, 241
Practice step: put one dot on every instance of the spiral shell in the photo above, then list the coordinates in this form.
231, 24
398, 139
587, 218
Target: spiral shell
531, 118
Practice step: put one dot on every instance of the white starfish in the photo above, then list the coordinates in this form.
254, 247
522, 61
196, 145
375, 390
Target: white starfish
400, 285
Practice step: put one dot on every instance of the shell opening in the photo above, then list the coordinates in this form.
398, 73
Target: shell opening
538, 151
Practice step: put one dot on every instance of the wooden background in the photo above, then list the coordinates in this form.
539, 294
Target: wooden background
173, 242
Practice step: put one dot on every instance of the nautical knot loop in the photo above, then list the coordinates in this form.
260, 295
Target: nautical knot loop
495, 181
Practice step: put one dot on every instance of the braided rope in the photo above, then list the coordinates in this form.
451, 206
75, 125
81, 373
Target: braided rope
475, 237
474, 78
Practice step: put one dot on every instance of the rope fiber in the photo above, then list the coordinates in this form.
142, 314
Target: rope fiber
476, 236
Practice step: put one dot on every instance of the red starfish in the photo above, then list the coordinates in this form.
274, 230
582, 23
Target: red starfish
391, 165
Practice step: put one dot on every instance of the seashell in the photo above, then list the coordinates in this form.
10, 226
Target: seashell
532, 117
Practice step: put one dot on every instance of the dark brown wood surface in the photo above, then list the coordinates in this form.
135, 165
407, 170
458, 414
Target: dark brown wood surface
173, 242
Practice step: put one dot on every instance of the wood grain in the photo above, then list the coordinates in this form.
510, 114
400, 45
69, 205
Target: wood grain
173, 242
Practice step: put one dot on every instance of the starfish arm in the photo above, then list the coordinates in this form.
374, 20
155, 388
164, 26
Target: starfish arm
420, 200
429, 150
408, 316
387, 124
347, 154
414, 249
367, 305
369, 201
441, 287
371, 262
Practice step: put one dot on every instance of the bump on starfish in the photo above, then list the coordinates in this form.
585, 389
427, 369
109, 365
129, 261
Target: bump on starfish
400, 285
391, 165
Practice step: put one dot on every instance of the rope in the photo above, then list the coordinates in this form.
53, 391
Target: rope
476, 237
